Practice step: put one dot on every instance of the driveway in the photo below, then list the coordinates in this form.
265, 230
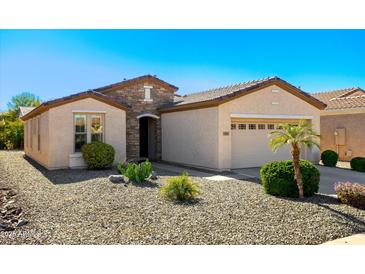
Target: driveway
329, 176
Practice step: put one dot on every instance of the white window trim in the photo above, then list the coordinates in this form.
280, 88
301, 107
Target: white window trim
270, 116
147, 94
88, 126
87, 111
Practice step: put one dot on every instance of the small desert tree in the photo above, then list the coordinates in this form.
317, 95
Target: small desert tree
296, 136
24, 99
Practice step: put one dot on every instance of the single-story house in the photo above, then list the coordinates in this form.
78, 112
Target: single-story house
222, 128
343, 122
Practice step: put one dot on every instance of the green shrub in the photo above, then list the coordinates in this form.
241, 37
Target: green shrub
98, 155
278, 178
329, 158
180, 188
136, 172
11, 133
358, 163
351, 193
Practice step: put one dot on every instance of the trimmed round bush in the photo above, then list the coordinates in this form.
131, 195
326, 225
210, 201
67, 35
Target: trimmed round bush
329, 158
358, 163
278, 178
351, 194
98, 155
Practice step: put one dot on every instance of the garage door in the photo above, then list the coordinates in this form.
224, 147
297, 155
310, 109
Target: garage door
250, 144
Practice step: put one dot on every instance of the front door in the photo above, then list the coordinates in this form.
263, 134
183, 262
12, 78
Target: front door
143, 137
147, 137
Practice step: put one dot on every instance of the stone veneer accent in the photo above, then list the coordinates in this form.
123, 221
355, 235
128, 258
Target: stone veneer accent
134, 95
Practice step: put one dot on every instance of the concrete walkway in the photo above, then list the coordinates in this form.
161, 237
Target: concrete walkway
329, 176
356, 239
173, 170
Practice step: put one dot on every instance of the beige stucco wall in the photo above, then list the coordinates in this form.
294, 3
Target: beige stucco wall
260, 102
354, 125
191, 137
61, 130
195, 137
42, 155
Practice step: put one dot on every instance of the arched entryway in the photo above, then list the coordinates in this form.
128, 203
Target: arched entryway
148, 136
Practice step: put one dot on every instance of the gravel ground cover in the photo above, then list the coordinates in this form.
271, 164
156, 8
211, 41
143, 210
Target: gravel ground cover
84, 207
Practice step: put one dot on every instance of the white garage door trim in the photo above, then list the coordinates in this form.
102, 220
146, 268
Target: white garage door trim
270, 116
249, 147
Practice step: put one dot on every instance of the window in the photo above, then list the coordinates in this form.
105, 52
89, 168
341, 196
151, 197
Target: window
147, 93
279, 127
31, 133
96, 128
88, 128
26, 135
80, 131
270, 126
39, 133
261, 126
233, 126
251, 126
241, 126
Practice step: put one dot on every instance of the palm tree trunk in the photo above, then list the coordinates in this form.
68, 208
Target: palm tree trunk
298, 175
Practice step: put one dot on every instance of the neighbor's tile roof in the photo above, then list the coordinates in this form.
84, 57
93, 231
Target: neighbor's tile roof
341, 99
25, 110
225, 92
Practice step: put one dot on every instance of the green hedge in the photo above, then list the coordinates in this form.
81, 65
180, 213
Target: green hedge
278, 178
98, 155
329, 158
358, 163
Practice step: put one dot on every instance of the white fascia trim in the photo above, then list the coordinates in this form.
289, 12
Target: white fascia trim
148, 115
88, 111
270, 116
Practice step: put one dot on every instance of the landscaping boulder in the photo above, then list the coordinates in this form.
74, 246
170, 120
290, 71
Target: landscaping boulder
116, 178
153, 175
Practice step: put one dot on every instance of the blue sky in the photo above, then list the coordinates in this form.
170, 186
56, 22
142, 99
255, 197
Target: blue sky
55, 63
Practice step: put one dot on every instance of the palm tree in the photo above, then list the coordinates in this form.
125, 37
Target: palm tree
297, 136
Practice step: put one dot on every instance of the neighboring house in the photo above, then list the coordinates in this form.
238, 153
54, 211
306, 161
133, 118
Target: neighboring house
343, 122
222, 128
25, 110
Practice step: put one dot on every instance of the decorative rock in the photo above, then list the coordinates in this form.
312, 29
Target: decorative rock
153, 175
116, 178
126, 179
21, 223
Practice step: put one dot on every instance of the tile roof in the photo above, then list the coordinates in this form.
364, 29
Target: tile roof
117, 102
342, 99
136, 79
216, 93
227, 92
84, 93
